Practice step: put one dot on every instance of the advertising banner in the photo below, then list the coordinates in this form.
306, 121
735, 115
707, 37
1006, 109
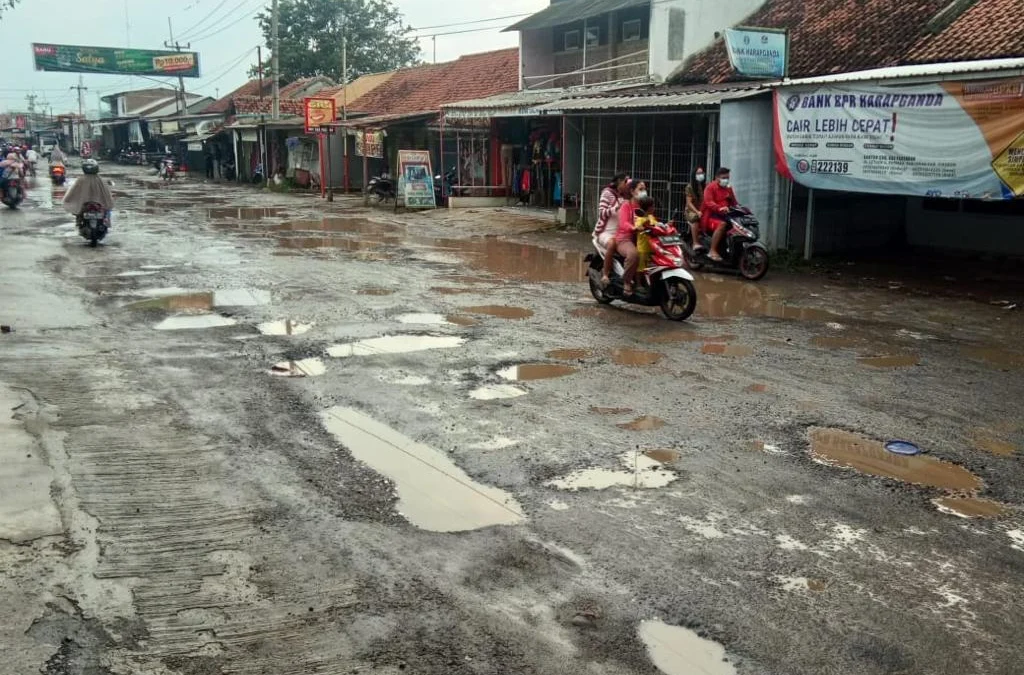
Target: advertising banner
319, 114
415, 179
757, 52
114, 61
370, 144
953, 139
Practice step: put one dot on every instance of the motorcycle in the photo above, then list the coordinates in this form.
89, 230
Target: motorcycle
93, 223
58, 174
443, 186
742, 249
227, 169
13, 194
382, 186
664, 282
168, 170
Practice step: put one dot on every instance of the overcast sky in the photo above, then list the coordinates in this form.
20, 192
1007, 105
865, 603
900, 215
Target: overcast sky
224, 56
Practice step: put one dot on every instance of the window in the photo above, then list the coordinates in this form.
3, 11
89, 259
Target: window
593, 36
571, 40
631, 30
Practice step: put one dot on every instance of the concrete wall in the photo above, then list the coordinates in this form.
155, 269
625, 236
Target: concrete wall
700, 20
745, 137
955, 225
536, 57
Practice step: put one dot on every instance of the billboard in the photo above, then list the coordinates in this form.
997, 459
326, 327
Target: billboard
319, 112
114, 61
758, 52
962, 140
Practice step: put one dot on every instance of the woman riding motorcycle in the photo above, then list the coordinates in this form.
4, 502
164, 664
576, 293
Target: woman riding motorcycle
89, 189
608, 220
11, 167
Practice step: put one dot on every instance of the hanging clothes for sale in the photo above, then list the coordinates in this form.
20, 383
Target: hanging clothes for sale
558, 188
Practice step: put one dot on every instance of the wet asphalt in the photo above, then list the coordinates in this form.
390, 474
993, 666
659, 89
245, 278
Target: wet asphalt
287, 436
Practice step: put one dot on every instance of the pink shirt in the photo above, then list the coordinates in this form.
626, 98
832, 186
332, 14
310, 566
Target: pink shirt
626, 222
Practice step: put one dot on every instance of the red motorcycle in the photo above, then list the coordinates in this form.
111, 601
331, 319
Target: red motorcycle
664, 281
13, 194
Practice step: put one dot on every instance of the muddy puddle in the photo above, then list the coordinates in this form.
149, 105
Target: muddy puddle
635, 357
730, 298
285, 327
451, 290
302, 368
497, 392
500, 311
569, 354
433, 492
675, 337
988, 441
889, 361
639, 471
834, 342
423, 318
644, 423
725, 349
845, 449
194, 322
178, 300
535, 371
341, 243
340, 226
675, 650
184, 302
970, 507
512, 260
394, 344
243, 213
756, 388
461, 320
996, 357
374, 291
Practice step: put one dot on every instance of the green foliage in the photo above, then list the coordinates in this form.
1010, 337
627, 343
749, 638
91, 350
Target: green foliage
310, 34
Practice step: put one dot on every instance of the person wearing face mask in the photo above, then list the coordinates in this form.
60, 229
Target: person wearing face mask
694, 198
718, 199
625, 237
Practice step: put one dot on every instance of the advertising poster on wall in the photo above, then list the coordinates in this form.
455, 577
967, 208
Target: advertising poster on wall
757, 52
370, 144
319, 114
962, 140
415, 179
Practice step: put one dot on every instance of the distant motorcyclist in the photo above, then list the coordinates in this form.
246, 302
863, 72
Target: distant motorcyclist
89, 189
11, 167
57, 155
718, 199
31, 158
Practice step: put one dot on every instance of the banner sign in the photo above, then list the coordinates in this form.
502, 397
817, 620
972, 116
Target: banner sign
416, 181
370, 144
115, 61
963, 140
319, 113
757, 52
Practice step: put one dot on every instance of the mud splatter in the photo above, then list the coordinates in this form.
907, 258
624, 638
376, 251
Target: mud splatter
500, 311
374, 291
644, 423
635, 357
869, 456
535, 371
756, 388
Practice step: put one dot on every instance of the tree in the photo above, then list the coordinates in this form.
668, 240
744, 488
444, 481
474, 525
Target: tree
310, 34
7, 4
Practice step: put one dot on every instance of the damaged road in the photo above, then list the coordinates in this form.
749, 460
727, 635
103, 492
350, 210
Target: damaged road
257, 433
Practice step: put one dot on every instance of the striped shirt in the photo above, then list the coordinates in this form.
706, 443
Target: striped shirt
608, 209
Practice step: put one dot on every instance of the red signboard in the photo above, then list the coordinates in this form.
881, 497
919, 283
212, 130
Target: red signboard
319, 113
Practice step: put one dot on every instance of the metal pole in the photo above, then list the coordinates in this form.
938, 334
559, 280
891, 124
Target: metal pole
171, 44
584, 68
344, 106
809, 226
275, 59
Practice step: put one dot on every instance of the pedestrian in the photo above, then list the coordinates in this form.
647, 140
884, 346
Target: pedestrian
209, 165
217, 161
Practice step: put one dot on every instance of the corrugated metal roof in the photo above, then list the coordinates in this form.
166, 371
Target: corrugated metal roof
572, 10
988, 67
510, 104
676, 99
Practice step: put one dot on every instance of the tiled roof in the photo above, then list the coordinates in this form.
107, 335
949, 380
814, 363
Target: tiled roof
250, 88
989, 29
428, 87
832, 36
356, 88
291, 97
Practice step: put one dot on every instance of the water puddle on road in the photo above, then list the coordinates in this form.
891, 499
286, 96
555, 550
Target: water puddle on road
639, 471
996, 357
535, 371
731, 298
569, 354
970, 507
834, 342
889, 361
394, 344
635, 357
675, 336
351, 245
723, 349
675, 650
663, 456
500, 311
497, 392
987, 441
240, 297
645, 423
173, 299
845, 449
450, 290
460, 320
243, 212
756, 388
286, 327
196, 302
433, 492
194, 322
339, 225
302, 368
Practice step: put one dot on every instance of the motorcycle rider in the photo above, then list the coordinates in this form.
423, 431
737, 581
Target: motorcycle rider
608, 220
90, 188
718, 199
694, 198
625, 237
12, 168
32, 157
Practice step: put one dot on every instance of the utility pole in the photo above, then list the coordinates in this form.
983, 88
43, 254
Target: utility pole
275, 59
173, 44
31, 100
78, 122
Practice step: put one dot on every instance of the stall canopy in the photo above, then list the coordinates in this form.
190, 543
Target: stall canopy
666, 97
572, 10
512, 104
381, 121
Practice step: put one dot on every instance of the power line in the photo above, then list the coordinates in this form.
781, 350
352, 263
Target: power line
184, 34
455, 32
466, 23
216, 28
227, 70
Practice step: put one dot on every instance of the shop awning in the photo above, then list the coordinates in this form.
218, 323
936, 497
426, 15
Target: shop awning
649, 99
514, 104
381, 121
572, 10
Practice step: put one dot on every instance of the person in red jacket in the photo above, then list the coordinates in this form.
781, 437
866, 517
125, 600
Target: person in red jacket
718, 199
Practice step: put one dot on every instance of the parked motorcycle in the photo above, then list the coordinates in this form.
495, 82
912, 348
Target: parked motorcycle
663, 283
93, 223
443, 186
58, 174
227, 169
13, 194
382, 187
742, 249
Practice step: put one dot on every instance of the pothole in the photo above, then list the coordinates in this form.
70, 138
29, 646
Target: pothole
889, 361
433, 492
285, 327
635, 357
374, 291
568, 354
679, 651
395, 344
645, 423
725, 349
500, 311
302, 368
423, 318
639, 471
970, 507
535, 371
493, 392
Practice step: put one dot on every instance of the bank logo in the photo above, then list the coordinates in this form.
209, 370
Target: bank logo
803, 166
792, 103
746, 39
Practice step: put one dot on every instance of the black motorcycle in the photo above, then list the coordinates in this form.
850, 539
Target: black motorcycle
741, 249
93, 223
382, 187
444, 186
